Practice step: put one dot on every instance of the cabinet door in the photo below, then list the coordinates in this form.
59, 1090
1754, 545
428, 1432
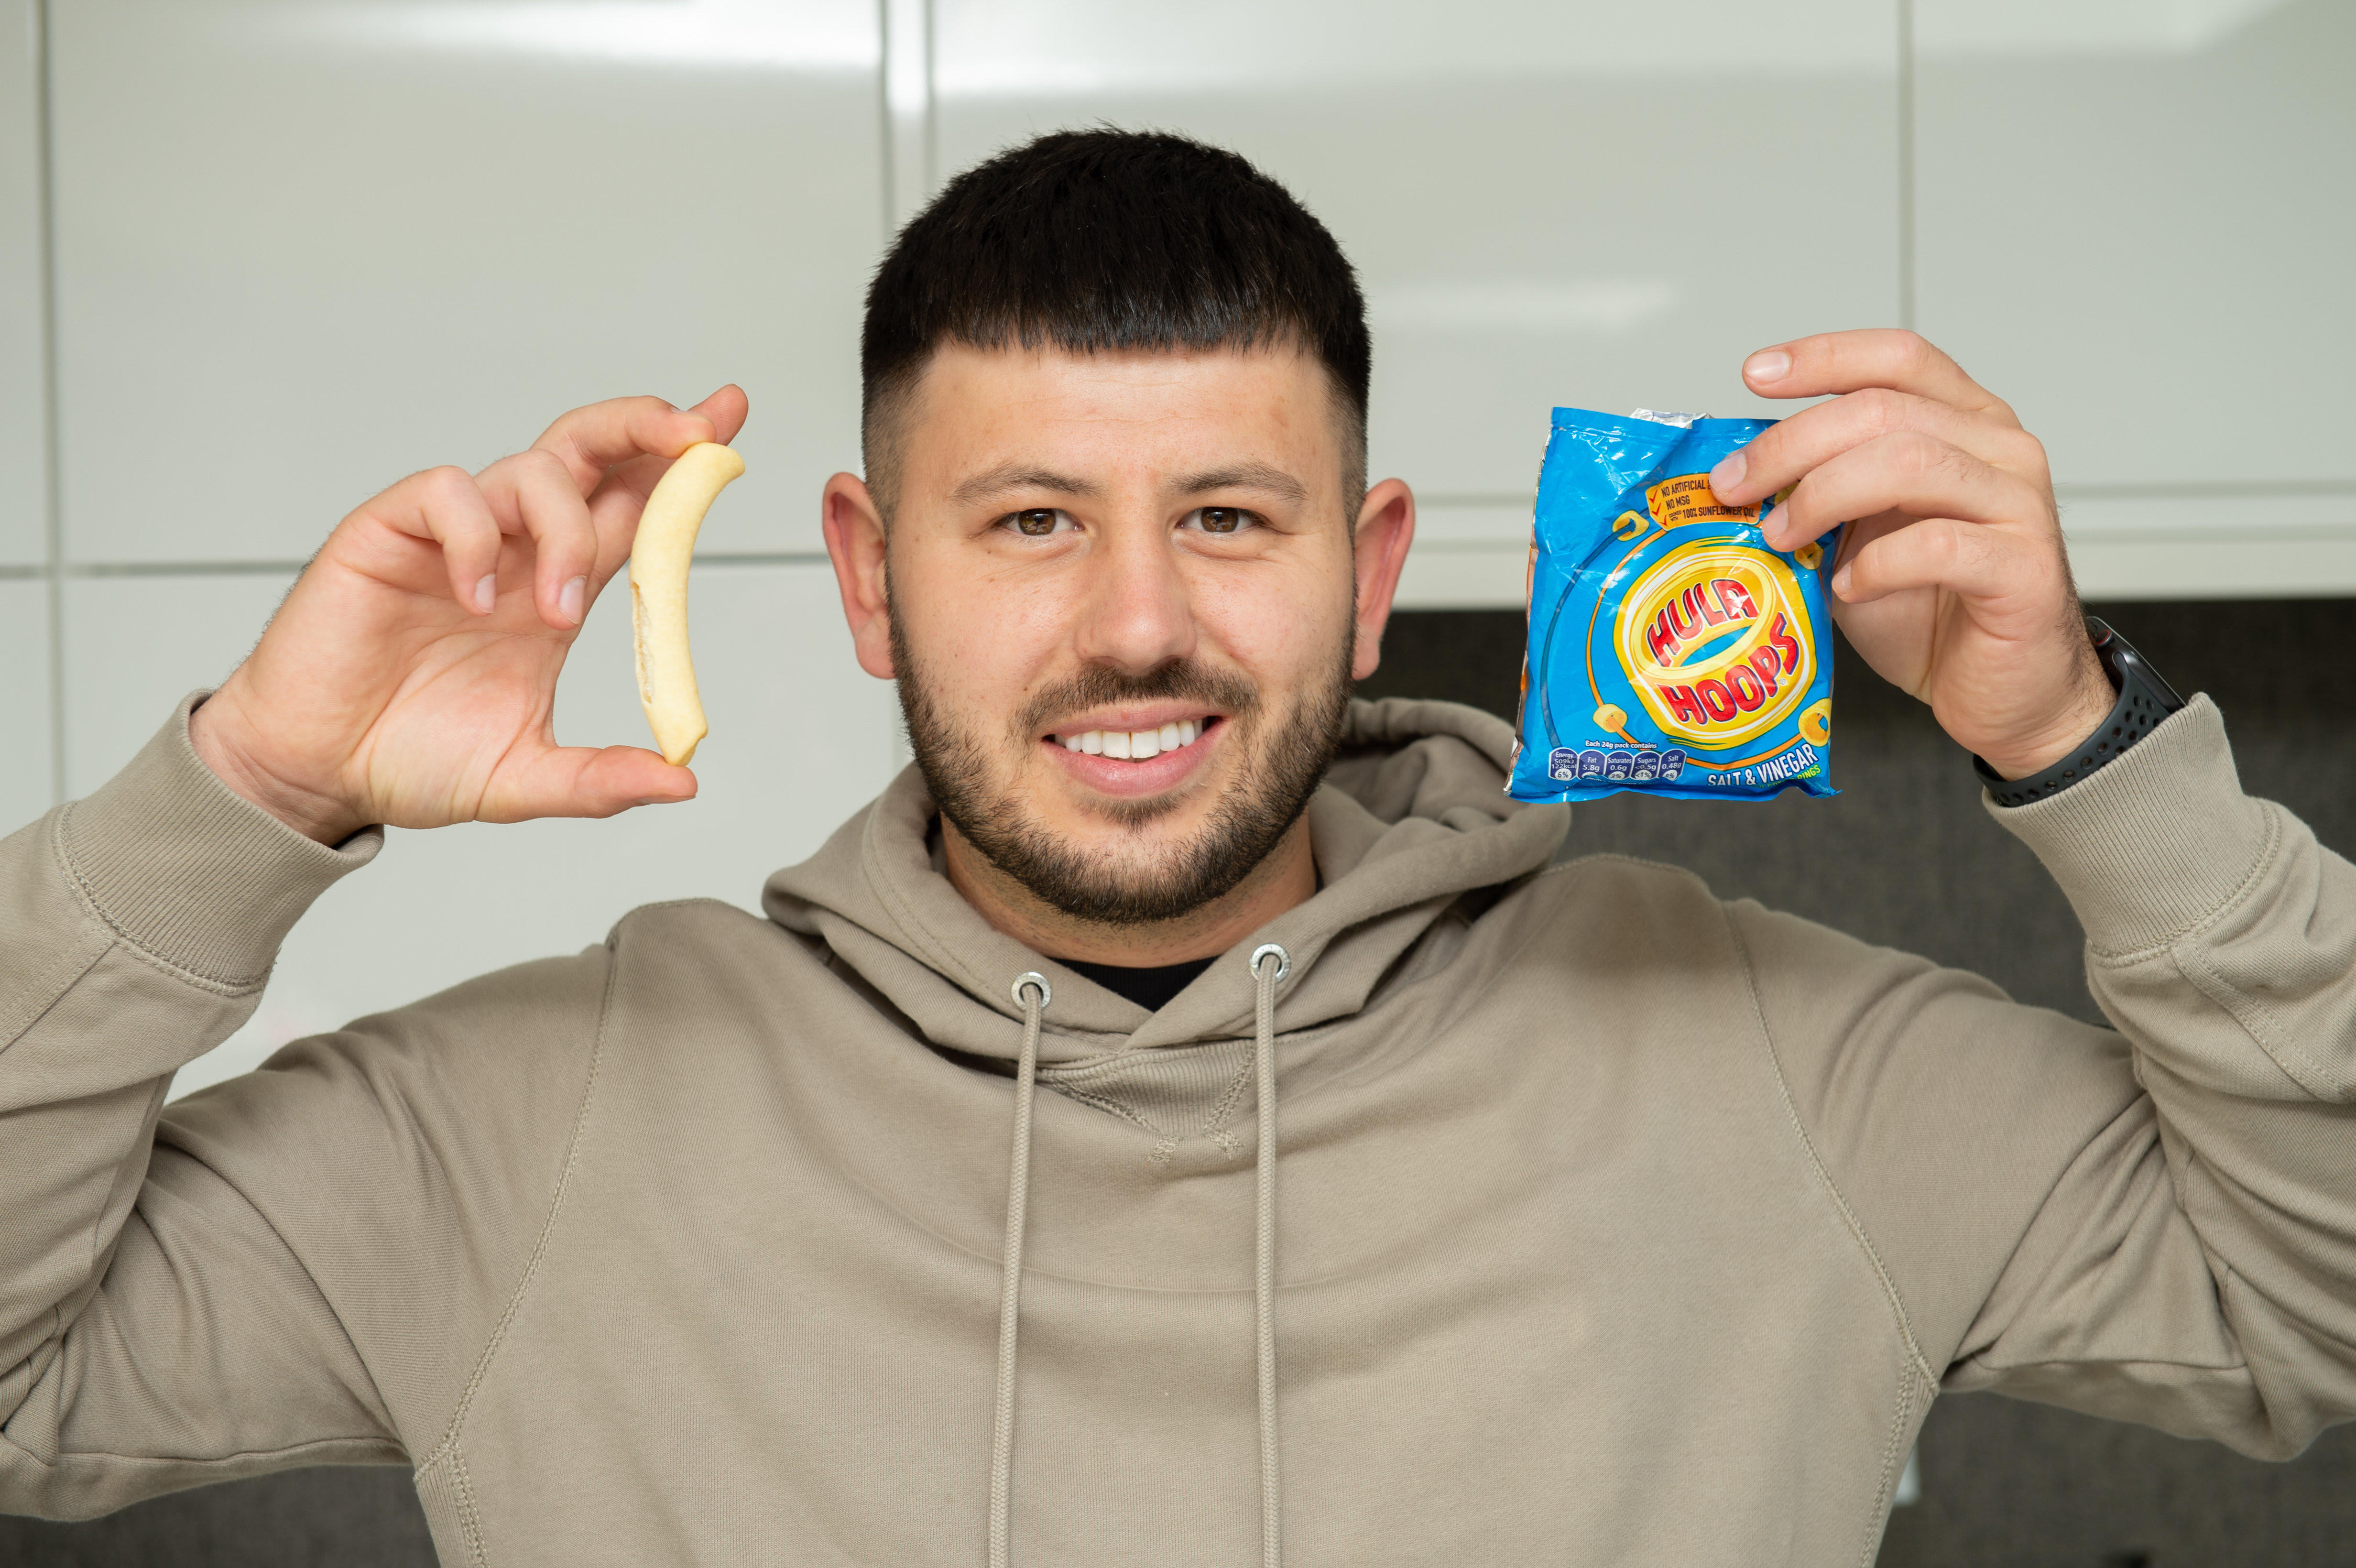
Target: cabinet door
25, 789
24, 494
1549, 201
2135, 222
306, 249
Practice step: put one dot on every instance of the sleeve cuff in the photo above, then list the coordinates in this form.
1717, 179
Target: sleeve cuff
191, 872
2152, 845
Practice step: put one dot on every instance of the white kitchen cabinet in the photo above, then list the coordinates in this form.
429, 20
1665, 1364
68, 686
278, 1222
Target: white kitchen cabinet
2135, 225
25, 791
306, 248
24, 493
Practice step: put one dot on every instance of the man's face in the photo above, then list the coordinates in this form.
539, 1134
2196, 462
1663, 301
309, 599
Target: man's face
1123, 605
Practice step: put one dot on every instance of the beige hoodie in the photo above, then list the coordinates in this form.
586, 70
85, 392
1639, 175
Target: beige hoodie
1612, 1223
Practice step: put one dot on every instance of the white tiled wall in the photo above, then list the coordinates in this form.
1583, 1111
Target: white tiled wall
303, 249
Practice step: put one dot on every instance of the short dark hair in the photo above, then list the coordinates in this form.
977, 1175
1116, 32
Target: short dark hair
1090, 240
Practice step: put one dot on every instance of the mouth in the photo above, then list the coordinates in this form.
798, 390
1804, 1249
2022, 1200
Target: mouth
1138, 745
1137, 754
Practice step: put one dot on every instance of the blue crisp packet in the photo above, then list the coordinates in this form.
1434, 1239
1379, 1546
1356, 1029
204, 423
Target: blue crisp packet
1672, 650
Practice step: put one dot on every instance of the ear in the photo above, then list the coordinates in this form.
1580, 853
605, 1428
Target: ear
1386, 527
854, 542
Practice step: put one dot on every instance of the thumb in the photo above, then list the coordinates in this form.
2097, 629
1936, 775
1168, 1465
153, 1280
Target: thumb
727, 410
586, 781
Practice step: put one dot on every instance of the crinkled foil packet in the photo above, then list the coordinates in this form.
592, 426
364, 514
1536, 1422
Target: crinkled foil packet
1672, 650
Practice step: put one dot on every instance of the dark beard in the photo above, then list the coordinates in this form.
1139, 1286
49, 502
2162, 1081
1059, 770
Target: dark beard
1277, 781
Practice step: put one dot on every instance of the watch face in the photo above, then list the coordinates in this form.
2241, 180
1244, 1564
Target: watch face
2128, 667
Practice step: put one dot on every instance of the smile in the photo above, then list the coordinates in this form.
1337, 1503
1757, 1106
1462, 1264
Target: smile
1134, 745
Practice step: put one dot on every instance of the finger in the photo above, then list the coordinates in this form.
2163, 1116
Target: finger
591, 439
532, 493
1985, 565
1875, 357
1782, 453
444, 506
1907, 471
636, 478
586, 780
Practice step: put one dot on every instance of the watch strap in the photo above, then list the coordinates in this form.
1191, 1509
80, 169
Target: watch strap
2145, 699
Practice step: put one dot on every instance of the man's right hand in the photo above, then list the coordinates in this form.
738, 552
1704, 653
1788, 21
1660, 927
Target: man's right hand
409, 679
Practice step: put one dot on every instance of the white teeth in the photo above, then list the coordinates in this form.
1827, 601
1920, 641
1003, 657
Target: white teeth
1133, 744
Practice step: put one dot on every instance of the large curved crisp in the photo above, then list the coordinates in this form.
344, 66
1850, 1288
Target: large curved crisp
658, 562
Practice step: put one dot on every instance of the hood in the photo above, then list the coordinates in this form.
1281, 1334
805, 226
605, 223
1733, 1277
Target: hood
1412, 817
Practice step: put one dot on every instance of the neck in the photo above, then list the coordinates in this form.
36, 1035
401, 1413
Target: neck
1285, 878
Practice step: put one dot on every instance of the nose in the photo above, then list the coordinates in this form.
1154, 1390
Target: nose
1136, 613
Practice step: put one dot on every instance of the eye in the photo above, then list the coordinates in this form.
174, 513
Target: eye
1038, 522
1219, 519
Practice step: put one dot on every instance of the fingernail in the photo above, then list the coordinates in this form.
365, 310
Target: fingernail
487, 591
570, 600
1729, 473
1767, 365
1840, 582
1771, 526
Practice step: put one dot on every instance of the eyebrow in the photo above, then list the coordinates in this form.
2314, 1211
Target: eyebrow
1011, 476
1258, 476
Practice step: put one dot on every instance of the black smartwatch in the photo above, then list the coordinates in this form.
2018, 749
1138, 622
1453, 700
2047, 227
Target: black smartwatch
2145, 699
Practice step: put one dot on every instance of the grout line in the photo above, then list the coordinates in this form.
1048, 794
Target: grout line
2217, 489
1475, 498
116, 568
764, 558
2190, 489
883, 113
1906, 247
907, 109
181, 569
53, 519
25, 573
2229, 535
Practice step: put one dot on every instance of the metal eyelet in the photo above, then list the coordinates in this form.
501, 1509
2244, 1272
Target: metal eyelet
1033, 977
1283, 961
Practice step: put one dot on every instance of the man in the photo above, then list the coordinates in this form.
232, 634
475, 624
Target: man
1399, 1196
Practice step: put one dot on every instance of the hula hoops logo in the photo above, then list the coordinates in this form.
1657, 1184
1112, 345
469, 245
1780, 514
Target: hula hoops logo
1717, 642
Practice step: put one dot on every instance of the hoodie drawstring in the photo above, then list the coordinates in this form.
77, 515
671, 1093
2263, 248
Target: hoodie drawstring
1266, 977
1032, 994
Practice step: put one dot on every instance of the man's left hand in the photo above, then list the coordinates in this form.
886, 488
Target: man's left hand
1952, 581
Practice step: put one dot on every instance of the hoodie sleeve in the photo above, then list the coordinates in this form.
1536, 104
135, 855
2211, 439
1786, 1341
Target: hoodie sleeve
295, 1267
2156, 1224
